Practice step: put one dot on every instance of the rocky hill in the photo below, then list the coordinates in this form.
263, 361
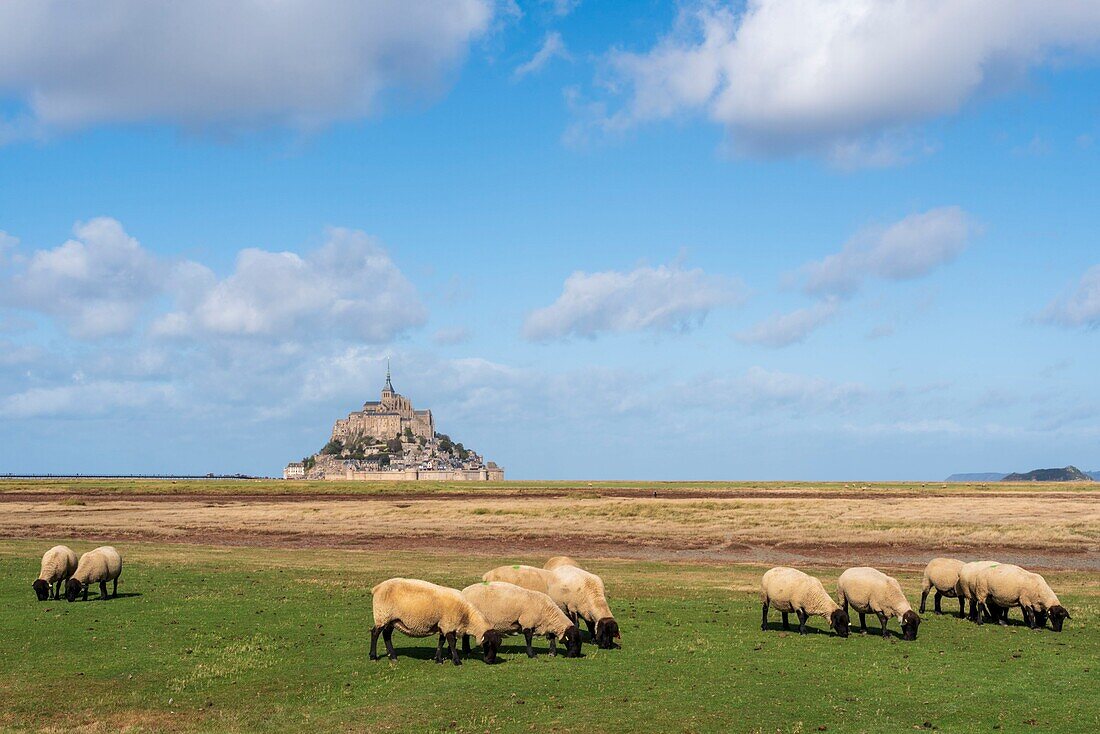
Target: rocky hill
1068, 474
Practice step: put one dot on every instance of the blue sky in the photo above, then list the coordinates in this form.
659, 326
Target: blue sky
793, 239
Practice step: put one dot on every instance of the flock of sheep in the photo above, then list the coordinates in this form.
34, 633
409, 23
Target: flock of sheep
548, 601
60, 565
992, 589
552, 600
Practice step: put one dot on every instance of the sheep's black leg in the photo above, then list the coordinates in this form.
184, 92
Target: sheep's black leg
553, 644
114, 589
528, 634
374, 642
439, 650
454, 648
764, 618
802, 617
86, 591
936, 603
923, 596
102, 589
1002, 615
982, 612
465, 644
962, 607
591, 628
786, 624
973, 610
1029, 618
387, 637
862, 623
882, 620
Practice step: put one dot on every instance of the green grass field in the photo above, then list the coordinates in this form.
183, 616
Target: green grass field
211, 639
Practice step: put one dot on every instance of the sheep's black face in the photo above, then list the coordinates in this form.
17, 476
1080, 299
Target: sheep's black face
41, 589
1058, 615
607, 631
572, 639
839, 622
909, 623
73, 588
490, 643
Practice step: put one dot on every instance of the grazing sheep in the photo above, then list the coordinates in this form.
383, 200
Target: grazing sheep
559, 561
510, 608
1005, 585
421, 609
529, 577
967, 588
581, 595
870, 590
790, 590
58, 564
96, 566
941, 574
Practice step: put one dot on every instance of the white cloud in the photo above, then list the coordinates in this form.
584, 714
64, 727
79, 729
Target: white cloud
909, 248
819, 75
348, 288
81, 399
301, 63
661, 299
96, 284
552, 47
1081, 307
784, 329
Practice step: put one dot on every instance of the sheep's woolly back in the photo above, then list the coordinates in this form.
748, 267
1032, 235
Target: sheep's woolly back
102, 564
58, 564
559, 561
789, 590
967, 587
529, 577
510, 608
1008, 586
420, 608
870, 590
942, 574
580, 592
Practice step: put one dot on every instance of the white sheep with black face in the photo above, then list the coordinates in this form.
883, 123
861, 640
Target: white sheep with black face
421, 609
1004, 586
58, 564
967, 588
512, 609
95, 567
790, 590
870, 591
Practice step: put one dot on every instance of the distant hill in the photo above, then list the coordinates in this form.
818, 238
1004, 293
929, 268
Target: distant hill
991, 476
1068, 474
1094, 474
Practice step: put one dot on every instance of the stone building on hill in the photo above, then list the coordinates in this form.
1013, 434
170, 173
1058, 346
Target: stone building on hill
389, 440
390, 416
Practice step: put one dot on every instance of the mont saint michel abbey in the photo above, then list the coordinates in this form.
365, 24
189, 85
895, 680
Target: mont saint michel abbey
389, 440
391, 416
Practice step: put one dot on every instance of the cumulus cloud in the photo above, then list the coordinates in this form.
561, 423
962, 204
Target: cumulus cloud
1081, 307
349, 287
784, 329
816, 75
909, 248
96, 284
661, 299
300, 63
103, 282
553, 47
